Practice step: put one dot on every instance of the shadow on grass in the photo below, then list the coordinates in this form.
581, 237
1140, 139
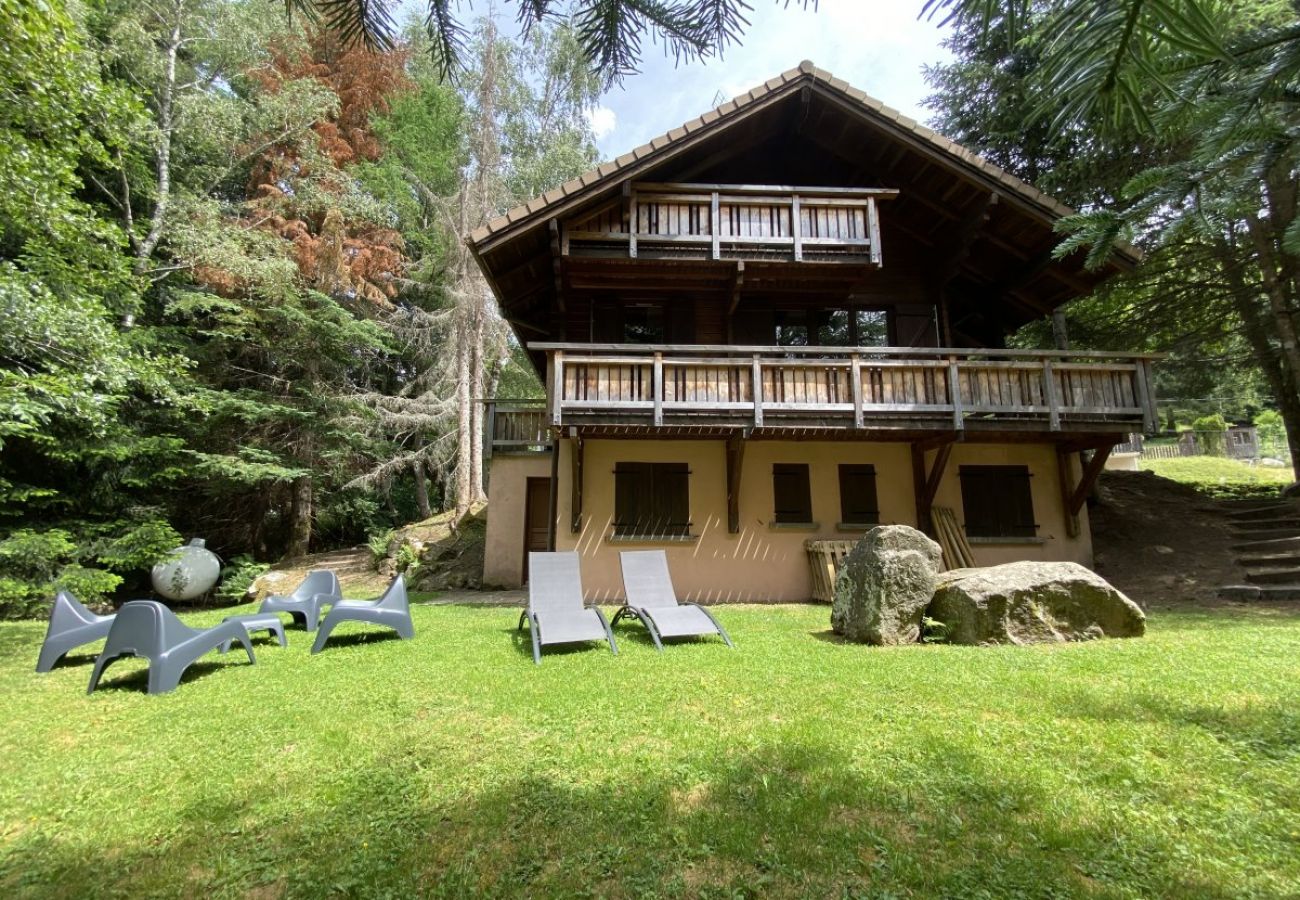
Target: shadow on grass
137, 679
788, 819
358, 638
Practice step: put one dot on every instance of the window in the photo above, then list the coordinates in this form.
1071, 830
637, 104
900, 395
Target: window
792, 495
643, 325
873, 327
997, 501
834, 328
791, 328
858, 504
651, 499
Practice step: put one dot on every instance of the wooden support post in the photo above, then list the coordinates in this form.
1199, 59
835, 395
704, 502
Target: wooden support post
873, 230
715, 208
758, 392
796, 228
1091, 472
553, 499
926, 484
1049, 391
1150, 411
557, 269
855, 374
556, 386
659, 388
737, 282
735, 459
954, 394
1065, 471
489, 431
576, 447
633, 225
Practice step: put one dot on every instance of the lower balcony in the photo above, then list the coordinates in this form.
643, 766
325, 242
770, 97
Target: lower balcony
842, 389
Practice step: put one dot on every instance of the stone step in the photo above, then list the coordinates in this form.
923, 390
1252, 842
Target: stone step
1275, 522
1265, 534
1261, 512
1267, 545
1266, 560
1251, 592
1285, 575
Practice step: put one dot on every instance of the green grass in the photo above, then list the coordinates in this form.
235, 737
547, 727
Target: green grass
793, 766
1221, 477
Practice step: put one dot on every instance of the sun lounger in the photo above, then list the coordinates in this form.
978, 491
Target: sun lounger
319, 588
652, 600
556, 613
390, 610
71, 625
148, 629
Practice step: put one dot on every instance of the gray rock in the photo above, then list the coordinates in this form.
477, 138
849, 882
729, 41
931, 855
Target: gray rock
1032, 603
884, 585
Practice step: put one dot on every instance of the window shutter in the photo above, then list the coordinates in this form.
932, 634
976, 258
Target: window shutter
997, 501
858, 500
791, 493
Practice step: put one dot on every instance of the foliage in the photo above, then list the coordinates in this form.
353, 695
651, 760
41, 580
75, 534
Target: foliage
1163, 766
610, 32
238, 576
1218, 476
379, 544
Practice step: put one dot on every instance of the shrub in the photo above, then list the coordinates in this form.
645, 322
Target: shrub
378, 544
238, 577
1211, 432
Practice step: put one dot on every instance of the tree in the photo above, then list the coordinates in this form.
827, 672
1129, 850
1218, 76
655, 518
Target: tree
1213, 87
608, 32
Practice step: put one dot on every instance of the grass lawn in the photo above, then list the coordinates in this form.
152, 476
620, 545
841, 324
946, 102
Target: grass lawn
1222, 477
793, 766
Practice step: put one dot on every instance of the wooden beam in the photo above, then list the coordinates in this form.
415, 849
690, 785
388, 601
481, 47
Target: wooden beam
735, 459
737, 282
1089, 478
964, 237
926, 483
553, 499
577, 448
557, 270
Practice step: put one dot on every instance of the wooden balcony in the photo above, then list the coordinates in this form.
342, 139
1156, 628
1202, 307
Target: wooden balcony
732, 222
847, 388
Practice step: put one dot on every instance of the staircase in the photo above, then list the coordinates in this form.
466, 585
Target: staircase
1266, 541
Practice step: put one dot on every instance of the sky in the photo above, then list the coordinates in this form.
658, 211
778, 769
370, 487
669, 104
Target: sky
878, 46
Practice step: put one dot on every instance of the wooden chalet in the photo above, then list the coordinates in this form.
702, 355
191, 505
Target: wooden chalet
785, 322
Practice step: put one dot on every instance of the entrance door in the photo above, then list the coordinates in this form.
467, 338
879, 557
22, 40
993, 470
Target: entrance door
537, 510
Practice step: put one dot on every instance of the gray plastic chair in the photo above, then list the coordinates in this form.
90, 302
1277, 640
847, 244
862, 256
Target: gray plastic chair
71, 625
148, 629
319, 588
652, 600
556, 613
257, 622
392, 610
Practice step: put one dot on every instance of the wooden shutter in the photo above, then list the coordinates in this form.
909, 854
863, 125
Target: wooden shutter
673, 495
858, 502
651, 498
791, 493
997, 501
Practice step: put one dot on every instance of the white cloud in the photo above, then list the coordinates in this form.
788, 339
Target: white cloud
602, 120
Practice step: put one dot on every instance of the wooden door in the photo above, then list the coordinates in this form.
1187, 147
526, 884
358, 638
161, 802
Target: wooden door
537, 510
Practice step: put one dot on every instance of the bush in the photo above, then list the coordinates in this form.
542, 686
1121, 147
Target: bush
238, 577
1211, 433
378, 544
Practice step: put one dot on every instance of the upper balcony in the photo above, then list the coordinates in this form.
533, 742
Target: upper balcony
665, 388
770, 223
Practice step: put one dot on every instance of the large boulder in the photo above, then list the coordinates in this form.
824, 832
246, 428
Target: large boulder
884, 586
1032, 603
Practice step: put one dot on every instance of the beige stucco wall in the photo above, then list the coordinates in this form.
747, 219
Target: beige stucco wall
503, 557
760, 563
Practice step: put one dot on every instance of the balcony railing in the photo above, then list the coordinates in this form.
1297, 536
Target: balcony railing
515, 426
845, 387
733, 222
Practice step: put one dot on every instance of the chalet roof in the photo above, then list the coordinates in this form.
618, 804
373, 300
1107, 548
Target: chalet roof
652, 152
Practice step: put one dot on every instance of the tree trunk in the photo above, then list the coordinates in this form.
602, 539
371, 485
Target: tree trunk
464, 425
1060, 330
421, 490
300, 513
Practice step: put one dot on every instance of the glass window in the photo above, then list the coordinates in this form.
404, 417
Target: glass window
791, 328
834, 329
873, 327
